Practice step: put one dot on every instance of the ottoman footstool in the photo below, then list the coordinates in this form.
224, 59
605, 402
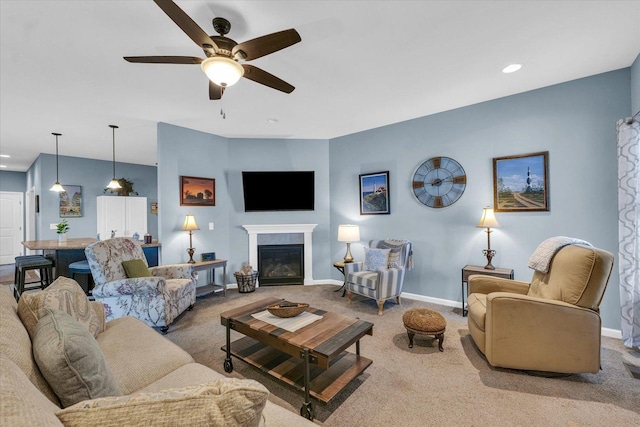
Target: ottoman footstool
424, 321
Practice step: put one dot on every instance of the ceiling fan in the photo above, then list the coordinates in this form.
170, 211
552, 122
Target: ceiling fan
222, 53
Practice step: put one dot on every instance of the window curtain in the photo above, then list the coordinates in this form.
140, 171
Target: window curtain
629, 228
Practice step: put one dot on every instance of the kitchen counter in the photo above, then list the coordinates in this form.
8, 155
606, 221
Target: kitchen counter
65, 253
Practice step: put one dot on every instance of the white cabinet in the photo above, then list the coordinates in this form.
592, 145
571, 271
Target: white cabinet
125, 215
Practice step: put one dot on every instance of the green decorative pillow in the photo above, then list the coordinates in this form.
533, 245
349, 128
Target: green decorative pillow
229, 402
71, 360
136, 268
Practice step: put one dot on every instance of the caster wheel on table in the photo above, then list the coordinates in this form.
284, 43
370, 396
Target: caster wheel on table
228, 366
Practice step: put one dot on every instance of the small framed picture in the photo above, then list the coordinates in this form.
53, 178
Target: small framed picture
197, 191
374, 193
71, 201
520, 183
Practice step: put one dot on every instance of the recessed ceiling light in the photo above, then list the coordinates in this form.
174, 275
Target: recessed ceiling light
272, 120
5, 156
3, 166
511, 68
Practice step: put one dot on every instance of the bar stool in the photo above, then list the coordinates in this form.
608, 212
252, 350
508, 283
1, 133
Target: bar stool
82, 267
32, 262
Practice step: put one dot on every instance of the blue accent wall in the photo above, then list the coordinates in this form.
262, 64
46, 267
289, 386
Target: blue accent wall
186, 152
93, 176
13, 181
574, 122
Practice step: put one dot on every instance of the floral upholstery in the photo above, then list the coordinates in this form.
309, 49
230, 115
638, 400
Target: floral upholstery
155, 300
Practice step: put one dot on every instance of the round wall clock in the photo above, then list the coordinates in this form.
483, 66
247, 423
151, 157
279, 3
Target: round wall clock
439, 182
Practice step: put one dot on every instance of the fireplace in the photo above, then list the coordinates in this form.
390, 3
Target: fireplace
304, 232
281, 264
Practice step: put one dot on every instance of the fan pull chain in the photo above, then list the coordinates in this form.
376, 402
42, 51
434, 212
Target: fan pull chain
223, 114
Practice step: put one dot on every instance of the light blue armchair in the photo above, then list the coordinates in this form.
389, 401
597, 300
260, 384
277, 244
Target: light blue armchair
156, 300
385, 281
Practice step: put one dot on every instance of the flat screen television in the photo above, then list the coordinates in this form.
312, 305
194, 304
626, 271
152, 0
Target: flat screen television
278, 190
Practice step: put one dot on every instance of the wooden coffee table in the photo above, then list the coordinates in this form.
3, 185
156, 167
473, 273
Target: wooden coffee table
312, 359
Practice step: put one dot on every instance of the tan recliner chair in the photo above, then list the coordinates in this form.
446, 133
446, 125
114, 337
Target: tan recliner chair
553, 323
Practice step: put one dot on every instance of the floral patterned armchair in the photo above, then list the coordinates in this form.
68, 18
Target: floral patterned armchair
156, 300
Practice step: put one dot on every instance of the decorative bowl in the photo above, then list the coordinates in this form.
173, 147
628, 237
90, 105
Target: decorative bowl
287, 309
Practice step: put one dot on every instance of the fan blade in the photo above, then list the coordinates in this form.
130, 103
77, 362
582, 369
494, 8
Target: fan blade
262, 77
164, 59
187, 25
261, 46
215, 91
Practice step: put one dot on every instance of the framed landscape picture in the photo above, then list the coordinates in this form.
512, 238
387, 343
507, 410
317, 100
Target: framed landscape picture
374, 193
71, 201
197, 191
520, 183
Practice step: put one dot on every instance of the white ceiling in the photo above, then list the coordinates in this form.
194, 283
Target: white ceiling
360, 65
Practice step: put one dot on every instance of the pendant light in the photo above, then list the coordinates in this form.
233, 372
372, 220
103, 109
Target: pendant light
114, 184
57, 187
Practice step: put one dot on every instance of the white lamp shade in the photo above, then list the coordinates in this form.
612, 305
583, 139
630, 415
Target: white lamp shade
348, 233
222, 71
488, 219
190, 223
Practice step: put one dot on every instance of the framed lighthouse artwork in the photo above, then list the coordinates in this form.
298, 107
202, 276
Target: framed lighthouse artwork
520, 183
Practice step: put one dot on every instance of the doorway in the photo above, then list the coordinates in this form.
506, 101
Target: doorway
11, 226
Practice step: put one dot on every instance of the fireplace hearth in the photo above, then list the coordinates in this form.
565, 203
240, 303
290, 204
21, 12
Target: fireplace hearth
281, 264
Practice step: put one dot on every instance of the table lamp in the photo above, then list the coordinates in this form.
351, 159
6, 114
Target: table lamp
487, 221
348, 233
190, 225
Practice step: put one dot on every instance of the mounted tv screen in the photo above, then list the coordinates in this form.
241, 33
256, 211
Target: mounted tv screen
278, 191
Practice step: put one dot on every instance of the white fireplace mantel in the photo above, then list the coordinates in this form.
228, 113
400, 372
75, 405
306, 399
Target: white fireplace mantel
305, 229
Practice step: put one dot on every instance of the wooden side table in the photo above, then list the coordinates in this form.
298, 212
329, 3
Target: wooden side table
468, 270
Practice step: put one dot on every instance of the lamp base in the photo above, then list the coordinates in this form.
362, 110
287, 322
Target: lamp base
347, 257
489, 253
191, 251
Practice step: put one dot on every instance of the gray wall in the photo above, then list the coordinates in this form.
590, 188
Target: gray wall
574, 121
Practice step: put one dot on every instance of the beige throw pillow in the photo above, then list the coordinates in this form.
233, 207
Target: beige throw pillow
71, 360
228, 402
63, 294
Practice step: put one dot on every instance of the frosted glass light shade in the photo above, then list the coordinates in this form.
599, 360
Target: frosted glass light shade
114, 185
222, 71
57, 187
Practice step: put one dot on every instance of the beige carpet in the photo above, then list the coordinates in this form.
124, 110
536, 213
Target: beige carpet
422, 386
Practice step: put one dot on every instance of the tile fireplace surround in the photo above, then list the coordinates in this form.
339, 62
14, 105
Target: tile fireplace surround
305, 229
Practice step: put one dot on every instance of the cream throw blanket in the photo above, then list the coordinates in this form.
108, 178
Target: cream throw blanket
541, 257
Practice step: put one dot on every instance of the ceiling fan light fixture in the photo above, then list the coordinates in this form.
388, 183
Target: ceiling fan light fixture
222, 71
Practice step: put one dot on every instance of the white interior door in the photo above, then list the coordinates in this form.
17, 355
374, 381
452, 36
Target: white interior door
11, 226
